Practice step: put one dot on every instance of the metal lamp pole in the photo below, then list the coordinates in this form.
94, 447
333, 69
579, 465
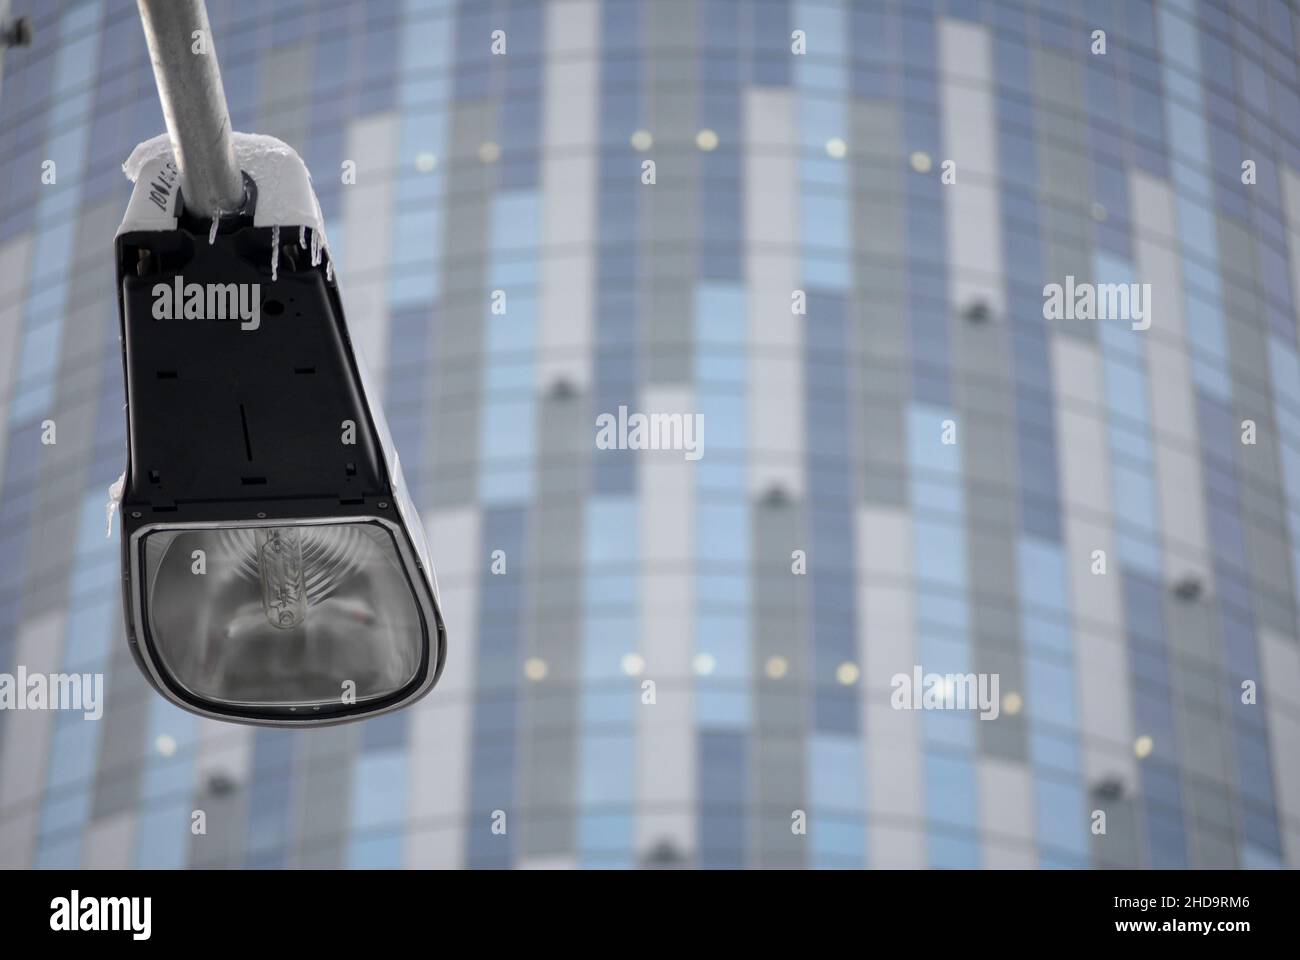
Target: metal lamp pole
194, 104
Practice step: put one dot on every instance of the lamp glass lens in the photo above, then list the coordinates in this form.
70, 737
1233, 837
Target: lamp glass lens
300, 615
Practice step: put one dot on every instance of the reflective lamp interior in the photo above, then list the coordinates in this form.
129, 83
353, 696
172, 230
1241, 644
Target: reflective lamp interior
282, 616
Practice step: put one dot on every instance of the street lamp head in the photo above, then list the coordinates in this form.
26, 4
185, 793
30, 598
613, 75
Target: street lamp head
274, 568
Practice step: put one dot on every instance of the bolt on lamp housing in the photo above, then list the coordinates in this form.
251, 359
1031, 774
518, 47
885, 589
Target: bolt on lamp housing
274, 568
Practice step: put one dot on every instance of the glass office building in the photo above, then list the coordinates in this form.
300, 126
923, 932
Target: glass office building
825, 226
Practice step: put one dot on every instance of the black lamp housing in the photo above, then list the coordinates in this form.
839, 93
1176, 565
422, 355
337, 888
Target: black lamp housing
274, 569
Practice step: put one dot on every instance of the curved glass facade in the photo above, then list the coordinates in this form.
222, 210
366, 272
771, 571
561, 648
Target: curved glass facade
985, 313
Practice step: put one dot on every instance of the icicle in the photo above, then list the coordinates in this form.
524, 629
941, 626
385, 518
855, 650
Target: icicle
329, 271
212, 234
114, 499
315, 248
275, 251
302, 236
